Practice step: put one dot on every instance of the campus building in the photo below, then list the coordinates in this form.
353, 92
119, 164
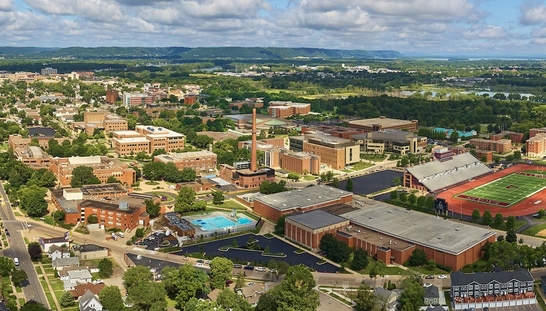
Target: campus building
536, 131
384, 123
536, 145
391, 233
299, 162
103, 167
146, 139
17, 141
114, 205
48, 71
514, 137
401, 142
333, 130
33, 156
333, 151
111, 96
101, 120
498, 146
492, 290
136, 99
273, 206
200, 161
445, 171
283, 109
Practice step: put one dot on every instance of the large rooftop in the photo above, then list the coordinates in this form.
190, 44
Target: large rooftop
302, 198
183, 156
461, 279
385, 122
441, 234
316, 219
437, 175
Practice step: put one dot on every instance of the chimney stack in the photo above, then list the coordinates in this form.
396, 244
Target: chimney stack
253, 158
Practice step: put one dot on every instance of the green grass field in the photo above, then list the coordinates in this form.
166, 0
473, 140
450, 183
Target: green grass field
506, 191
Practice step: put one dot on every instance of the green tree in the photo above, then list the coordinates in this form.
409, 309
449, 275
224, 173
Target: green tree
83, 175
510, 223
185, 200
360, 259
106, 268
454, 137
153, 170
365, 299
429, 202
418, 258
541, 213
335, 182
279, 226
136, 275
113, 180
92, 219
349, 185
32, 200
511, 236
6, 266
334, 249
394, 195
110, 297
218, 198
412, 295
58, 216
152, 208
18, 276
240, 282
229, 300
195, 304
487, 218
67, 300
35, 251
403, 196
220, 272
377, 269
148, 295
475, 215
421, 201
498, 221
412, 198
33, 305
184, 283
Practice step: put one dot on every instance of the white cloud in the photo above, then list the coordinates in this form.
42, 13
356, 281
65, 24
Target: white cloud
486, 32
532, 14
6, 5
96, 10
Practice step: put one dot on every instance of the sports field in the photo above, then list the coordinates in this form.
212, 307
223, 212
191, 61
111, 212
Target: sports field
508, 190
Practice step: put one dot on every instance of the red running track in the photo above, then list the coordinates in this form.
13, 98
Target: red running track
522, 208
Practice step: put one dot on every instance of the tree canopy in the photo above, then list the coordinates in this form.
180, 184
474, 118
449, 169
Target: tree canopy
83, 175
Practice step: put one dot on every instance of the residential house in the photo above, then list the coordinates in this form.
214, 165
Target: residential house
436, 308
543, 283
3, 307
90, 302
495, 289
56, 252
386, 297
74, 276
432, 296
46, 243
61, 263
252, 293
80, 290
91, 251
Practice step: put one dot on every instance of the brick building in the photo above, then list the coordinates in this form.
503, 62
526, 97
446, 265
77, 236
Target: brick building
101, 120
33, 156
383, 123
245, 177
514, 137
181, 226
136, 99
111, 96
401, 142
103, 167
273, 206
124, 212
283, 109
200, 161
299, 162
536, 131
333, 130
146, 139
308, 228
334, 151
536, 145
498, 146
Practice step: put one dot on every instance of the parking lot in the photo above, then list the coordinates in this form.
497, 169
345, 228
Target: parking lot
373, 182
158, 240
275, 245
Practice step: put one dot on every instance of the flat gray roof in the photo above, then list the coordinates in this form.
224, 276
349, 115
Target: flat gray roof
302, 198
428, 230
436, 175
316, 219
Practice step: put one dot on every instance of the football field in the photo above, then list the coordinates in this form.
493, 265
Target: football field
508, 190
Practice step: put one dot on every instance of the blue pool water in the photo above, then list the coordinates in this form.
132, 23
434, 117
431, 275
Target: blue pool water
219, 222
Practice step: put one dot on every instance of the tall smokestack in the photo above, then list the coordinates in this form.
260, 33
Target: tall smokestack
253, 158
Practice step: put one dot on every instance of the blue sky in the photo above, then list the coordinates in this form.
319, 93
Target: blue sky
515, 28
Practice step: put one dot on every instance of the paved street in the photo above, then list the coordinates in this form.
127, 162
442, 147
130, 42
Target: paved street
32, 290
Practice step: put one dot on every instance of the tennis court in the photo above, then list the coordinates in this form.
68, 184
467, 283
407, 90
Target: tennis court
508, 190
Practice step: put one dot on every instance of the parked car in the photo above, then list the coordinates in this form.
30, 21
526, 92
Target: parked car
7, 233
260, 269
249, 268
199, 264
427, 285
16, 261
442, 276
121, 235
200, 261
229, 282
237, 266
429, 277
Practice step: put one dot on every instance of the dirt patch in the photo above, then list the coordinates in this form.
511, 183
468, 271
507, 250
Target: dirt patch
542, 233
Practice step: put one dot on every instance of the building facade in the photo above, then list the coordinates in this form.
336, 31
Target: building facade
200, 161
309, 228
401, 142
103, 168
283, 109
515, 138
146, 139
536, 145
498, 146
384, 123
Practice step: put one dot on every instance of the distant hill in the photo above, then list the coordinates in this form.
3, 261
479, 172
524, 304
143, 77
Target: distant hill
227, 53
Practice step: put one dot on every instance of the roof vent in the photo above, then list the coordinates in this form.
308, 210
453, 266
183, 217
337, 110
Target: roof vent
439, 237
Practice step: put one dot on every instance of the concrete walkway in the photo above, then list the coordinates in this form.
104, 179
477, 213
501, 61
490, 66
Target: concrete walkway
49, 288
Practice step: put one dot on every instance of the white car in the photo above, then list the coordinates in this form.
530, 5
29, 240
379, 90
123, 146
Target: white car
260, 269
199, 264
442, 276
427, 285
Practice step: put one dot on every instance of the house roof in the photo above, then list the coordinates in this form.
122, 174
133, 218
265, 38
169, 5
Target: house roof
89, 248
316, 219
3, 307
520, 275
80, 274
54, 240
86, 299
55, 248
65, 262
435, 308
432, 292
80, 290
382, 293
251, 290
302, 198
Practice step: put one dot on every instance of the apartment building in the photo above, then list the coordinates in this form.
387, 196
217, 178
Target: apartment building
136, 99
498, 146
200, 161
146, 139
103, 167
515, 137
102, 120
401, 142
333, 130
334, 151
283, 109
111, 96
536, 145
536, 131
33, 156
384, 123
299, 162
48, 71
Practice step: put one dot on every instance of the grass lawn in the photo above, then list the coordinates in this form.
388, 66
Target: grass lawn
17, 214
49, 270
388, 270
309, 177
424, 270
50, 300
231, 205
373, 157
38, 270
49, 220
22, 301
534, 230
56, 284
505, 191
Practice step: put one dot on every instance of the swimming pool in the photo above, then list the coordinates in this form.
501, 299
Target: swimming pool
220, 222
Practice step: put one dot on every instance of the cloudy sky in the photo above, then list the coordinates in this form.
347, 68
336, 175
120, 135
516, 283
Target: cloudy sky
430, 27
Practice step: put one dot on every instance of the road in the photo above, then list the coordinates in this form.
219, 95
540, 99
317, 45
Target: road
33, 288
